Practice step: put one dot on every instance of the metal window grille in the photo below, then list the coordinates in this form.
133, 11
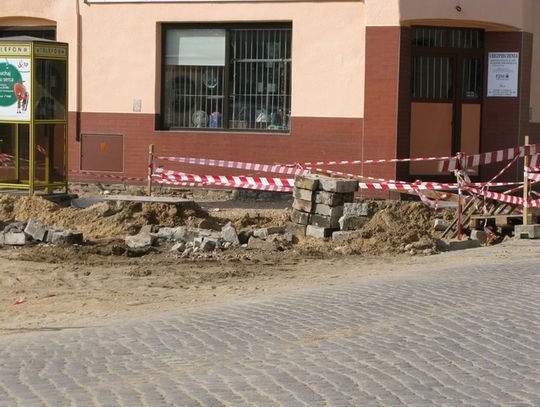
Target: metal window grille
430, 37
432, 78
251, 91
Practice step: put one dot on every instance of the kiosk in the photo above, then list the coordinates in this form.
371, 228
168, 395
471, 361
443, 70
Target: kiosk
33, 114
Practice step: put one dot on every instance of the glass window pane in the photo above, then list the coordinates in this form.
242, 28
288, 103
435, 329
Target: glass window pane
432, 78
49, 154
50, 101
472, 78
195, 47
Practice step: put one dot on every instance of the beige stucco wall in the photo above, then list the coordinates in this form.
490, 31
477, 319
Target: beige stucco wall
119, 62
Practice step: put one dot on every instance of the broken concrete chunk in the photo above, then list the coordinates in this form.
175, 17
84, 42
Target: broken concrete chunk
302, 205
356, 209
479, 235
166, 233
261, 233
352, 222
208, 245
36, 230
309, 182
139, 241
185, 234
228, 232
15, 227
340, 185
178, 247
13, 238
146, 229
318, 232
441, 225
299, 217
260, 244
304, 194
340, 235
50, 233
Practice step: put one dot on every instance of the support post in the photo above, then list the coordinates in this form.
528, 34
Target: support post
525, 185
460, 202
150, 168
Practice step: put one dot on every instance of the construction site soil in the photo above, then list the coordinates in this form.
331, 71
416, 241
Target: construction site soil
43, 285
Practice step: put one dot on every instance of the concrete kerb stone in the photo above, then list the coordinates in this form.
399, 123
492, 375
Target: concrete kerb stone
299, 217
335, 212
352, 222
139, 241
318, 232
36, 230
304, 194
325, 221
309, 182
453, 245
302, 205
13, 238
337, 185
260, 244
356, 209
527, 231
343, 235
67, 237
331, 198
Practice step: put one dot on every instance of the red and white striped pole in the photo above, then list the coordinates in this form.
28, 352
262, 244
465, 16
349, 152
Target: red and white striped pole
460, 196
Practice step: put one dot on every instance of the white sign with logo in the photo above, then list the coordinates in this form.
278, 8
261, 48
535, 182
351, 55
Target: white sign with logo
15, 89
503, 73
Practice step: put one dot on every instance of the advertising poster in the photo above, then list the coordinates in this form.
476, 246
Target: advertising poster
503, 72
15, 89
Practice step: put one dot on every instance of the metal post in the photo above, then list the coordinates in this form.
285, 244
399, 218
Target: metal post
150, 168
525, 185
460, 203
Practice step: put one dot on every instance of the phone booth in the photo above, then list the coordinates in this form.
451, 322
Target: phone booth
33, 114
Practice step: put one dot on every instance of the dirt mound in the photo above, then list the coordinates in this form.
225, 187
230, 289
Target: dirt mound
396, 227
105, 219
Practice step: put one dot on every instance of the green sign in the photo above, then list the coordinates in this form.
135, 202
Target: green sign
9, 76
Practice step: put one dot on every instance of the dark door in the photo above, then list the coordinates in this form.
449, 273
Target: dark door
446, 94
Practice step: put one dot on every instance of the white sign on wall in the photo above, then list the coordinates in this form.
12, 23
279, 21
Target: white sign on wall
503, 73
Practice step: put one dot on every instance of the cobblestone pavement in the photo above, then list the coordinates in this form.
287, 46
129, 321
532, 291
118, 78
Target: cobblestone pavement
457, 336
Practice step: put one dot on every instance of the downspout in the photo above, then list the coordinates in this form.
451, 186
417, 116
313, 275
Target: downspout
78, 103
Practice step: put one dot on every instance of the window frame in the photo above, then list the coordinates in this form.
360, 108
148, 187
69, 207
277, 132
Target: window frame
226, 74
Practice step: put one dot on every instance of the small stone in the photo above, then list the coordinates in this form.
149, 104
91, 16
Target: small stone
256, 243
441, 225
339, 236
302, 205
227, 245
318, 232
134, 242
356, 209
36, 230
244, 236
341, 185
479, 235
304, 194
309, 182
261, 233
299, 217
178, 247
228, 232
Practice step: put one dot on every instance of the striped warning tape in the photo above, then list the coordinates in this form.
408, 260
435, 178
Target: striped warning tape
292, 169
516, 200
260, 187
474, 160
380, 161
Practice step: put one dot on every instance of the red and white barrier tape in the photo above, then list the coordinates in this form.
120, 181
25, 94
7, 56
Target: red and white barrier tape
475, 160
381, 161
260, 187
112, 176
534, 203
532, 176
516, 200
270, 168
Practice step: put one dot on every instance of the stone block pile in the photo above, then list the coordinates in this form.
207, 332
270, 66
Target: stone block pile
324, 207
34, 231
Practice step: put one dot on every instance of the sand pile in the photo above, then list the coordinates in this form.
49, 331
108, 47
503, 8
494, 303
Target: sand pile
105, 219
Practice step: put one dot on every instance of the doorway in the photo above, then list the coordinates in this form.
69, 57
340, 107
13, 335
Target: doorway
446, 94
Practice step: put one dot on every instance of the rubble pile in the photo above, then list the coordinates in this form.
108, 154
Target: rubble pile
34, 231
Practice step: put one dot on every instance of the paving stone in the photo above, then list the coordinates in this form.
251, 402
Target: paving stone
299, 217
304, 194
309, 182
527, 231
36, 230
325, 221
340, 235
335, 212
15, 238
340, 185
356, 209
332, 199
318, 232
301, 205
352, 222
228, 232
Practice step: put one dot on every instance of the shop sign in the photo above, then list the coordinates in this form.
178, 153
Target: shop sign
12, 50
503, 73
50, 51
15, 89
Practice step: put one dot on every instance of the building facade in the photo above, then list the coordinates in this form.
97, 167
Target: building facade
292, 81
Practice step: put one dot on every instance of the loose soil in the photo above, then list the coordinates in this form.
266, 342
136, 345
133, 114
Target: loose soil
45, 285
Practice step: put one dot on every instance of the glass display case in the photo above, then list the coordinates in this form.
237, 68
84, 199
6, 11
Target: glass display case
33, 114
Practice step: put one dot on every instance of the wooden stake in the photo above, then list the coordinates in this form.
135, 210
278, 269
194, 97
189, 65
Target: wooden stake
525, 186
150, 168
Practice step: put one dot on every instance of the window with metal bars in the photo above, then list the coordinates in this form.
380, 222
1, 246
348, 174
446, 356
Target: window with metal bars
227, 77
